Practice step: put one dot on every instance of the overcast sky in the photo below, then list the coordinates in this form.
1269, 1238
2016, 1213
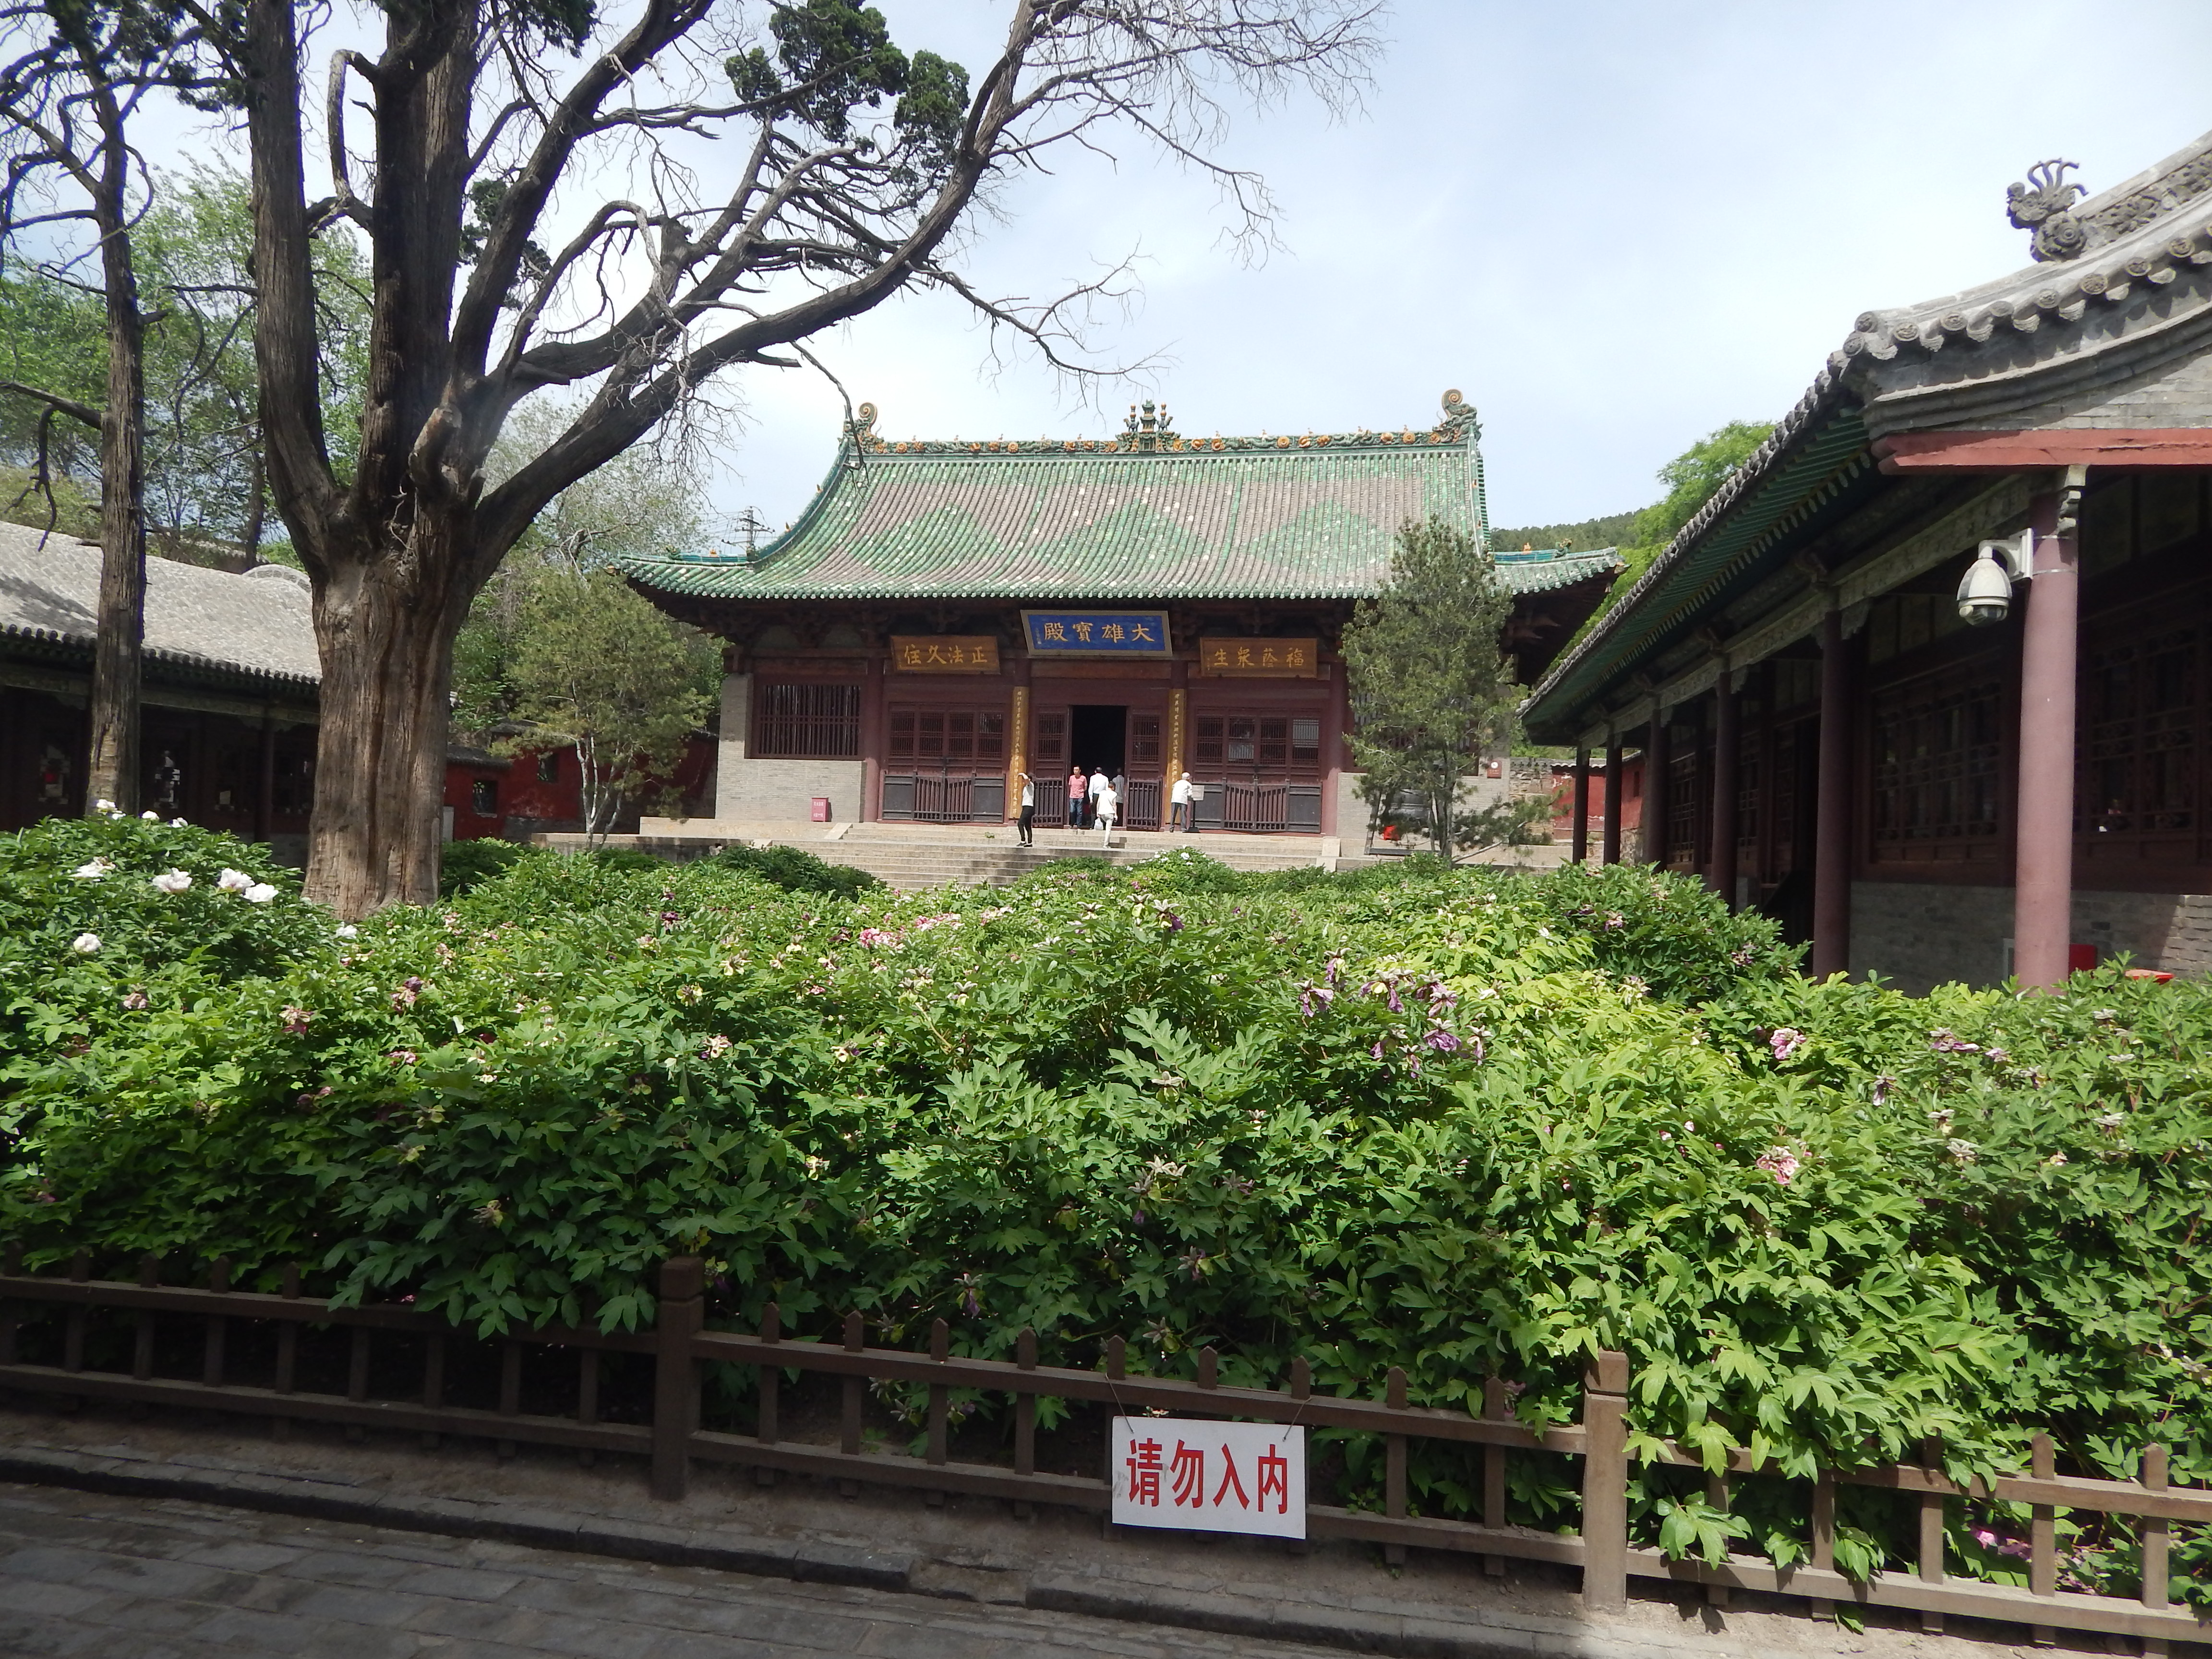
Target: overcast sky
1614, 224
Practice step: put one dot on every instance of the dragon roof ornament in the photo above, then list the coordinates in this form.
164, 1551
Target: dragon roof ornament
2040, 205
2136, 238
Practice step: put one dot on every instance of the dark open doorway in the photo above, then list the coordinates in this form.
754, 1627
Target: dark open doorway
1098, 736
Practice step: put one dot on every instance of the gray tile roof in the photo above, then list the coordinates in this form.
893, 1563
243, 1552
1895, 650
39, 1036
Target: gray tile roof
256, 625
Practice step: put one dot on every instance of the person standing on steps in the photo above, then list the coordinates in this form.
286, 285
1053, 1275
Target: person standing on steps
1075, 797
1121, 790
1179, 814
1105, 803
1027, 826
1098, 787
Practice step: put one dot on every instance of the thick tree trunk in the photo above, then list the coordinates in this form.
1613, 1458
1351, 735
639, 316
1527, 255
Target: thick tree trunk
386, 636
113, 771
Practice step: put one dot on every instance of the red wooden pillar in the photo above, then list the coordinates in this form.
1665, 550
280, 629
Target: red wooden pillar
1721, 868
1612, 844
1339, 721
2043, 894
264, 784
1832, 830
1581, 837
875, 736
1656, 774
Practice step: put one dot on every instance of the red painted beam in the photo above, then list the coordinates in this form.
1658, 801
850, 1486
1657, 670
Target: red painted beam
1917, 451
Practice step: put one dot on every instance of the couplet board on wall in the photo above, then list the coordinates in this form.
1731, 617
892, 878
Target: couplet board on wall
1202, 1476
1096, 633
1260, 659
949, 654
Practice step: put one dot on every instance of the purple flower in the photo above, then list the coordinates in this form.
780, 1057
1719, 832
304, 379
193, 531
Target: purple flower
1377, 1051
1442, 1041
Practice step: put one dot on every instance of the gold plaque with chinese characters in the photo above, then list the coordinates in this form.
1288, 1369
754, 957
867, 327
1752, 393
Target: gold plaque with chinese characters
1265, 659
949, 654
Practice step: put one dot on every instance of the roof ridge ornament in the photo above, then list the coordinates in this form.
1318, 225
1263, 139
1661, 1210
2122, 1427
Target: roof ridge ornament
1459, 419
2041, 205
1151, 432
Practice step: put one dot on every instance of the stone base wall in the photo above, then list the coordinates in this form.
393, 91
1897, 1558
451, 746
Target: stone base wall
784, 790
1918, 936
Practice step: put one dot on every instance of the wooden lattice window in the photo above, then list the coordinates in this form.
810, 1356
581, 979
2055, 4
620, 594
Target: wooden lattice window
1051, 739
954, 737
1269, 742
1682, 773
806, 722
1936, 767
2138, 750
1145, 739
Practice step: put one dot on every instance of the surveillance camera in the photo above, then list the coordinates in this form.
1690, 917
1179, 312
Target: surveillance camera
1985, 592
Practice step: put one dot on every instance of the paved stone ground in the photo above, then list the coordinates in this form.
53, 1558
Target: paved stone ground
133, 1579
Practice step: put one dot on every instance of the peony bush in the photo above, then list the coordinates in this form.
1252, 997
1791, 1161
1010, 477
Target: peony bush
1466, 1122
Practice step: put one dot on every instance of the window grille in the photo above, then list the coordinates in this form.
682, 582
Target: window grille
1936, 767
963, 736
806, 722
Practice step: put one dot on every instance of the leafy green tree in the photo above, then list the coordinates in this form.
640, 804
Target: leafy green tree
74, 184
1693, 478
526, 178
596, 666
1430, 689
205, 498
641, 501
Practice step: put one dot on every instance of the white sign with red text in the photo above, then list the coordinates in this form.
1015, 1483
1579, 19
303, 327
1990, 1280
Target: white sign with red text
1204, 1476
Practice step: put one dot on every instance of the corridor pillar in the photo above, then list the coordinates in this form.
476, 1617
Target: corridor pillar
1832, 821
2043, 893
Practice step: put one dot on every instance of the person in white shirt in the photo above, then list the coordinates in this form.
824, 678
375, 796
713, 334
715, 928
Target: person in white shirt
1105, 804
1099, 785
1028, 825
1179, 813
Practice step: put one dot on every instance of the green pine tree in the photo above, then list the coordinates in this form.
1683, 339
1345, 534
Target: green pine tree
1431, 691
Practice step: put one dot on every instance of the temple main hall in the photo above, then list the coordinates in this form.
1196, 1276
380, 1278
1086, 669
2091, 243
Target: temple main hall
947, 614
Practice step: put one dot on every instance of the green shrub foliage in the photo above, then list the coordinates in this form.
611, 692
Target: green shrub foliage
1467, 1122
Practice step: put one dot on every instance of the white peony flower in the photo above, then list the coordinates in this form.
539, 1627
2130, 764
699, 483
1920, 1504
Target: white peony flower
172, 881
92, 871
260, 893
151, 818
348, 931
233, 881
178, 823
85, 944
103, 807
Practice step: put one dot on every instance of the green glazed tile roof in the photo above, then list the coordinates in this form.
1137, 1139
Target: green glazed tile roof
1153, 517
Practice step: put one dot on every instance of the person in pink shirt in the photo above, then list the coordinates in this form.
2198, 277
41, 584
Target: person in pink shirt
1076, 791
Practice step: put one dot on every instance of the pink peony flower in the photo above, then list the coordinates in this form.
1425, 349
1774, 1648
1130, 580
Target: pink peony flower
1780, 1163
1785, 1042
296, 1021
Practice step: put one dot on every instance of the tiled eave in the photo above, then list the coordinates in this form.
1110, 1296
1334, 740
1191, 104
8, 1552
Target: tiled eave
51, 644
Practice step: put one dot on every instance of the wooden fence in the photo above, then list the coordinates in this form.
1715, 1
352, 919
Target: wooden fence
672, 1441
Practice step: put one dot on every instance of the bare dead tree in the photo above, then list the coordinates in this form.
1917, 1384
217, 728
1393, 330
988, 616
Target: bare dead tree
72, 180
845, 171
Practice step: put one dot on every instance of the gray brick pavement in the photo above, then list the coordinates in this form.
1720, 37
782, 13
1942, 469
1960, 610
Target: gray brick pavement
114, 1577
